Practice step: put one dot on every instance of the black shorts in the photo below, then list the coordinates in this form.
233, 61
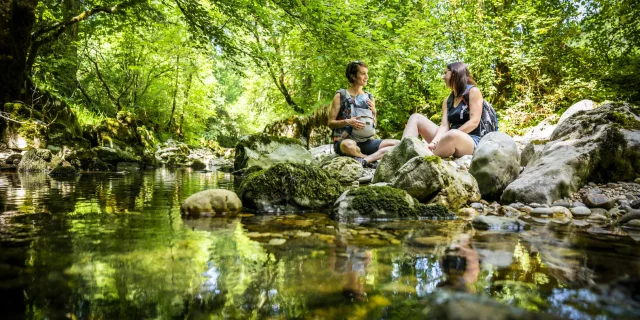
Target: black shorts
368, 147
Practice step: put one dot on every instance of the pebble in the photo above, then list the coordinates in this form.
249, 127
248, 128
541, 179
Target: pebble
467, 212
594, 200
303, 234
580, 211
526, 209
580, 223
578, 204
277, 242
597, 217
560, 222
517, 205
478, 206
534, 205
635, 223
562, 203
599, 211
509, 212
540, 212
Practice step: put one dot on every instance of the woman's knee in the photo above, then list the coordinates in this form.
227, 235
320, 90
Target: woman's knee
417, 117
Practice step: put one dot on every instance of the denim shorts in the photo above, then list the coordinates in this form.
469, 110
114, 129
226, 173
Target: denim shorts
367, 147
476, 140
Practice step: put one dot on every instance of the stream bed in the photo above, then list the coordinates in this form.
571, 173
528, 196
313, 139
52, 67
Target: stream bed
114, 246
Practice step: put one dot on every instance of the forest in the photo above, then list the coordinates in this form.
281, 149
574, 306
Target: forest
209, 71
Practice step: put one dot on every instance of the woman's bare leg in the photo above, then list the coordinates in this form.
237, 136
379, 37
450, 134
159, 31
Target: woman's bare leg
377, 155
454, 143
420, 125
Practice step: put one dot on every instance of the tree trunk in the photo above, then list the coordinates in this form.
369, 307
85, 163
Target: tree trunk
175, 94
17, 18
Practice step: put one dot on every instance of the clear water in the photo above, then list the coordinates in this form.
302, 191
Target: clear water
109, 246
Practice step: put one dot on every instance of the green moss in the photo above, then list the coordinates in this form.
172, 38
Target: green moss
198, 165
369, 200
63, 171
286, 182
433, 210
616, 161
626, 121
435, 159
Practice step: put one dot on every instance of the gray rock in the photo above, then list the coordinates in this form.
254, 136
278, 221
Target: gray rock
635, 223
495, 164
344, 169
531, 150
428, 179
578, 204
580, 223
583, 105
562, 203
581, 211
394, 159
266, 151
498, 223
597, 217
594, 200
13, 159
596, 145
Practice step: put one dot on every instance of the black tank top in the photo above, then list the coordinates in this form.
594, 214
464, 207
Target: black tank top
460, 114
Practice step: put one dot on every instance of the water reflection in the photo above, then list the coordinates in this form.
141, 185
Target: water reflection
115, 246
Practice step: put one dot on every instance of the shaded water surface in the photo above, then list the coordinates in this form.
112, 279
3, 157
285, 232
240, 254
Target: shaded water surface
108, 246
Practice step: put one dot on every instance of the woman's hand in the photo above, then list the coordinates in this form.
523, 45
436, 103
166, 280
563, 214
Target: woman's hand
355, 123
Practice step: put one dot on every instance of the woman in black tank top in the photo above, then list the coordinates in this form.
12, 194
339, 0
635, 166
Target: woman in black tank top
458, 133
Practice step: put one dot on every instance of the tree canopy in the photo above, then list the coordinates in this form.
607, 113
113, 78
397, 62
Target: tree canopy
203, 70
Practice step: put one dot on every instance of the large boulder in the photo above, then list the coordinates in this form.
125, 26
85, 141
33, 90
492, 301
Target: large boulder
533, 148
430, 179
384, 202
211, 202
599, 145
344, 169
583, 105
395, 158
289, 186
87, 159
495, 164
35, 160
265, 151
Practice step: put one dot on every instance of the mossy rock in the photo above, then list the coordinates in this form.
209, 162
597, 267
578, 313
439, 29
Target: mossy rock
35, 160
288, 186
198, 165
99, 165
63, 171
344, 169
384, 202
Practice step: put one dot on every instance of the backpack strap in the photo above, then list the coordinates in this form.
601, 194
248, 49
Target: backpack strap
465, 95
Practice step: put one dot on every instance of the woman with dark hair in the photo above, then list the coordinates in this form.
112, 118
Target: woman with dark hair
353, 118
459, 132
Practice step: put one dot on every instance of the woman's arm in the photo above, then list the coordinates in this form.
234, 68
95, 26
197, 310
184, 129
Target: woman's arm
475, 111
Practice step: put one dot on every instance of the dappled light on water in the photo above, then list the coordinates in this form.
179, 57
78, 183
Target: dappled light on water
115, 246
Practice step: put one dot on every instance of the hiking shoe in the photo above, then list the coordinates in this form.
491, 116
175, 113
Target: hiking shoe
362, 161
373, 165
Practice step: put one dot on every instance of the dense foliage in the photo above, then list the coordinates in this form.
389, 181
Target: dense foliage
203, 70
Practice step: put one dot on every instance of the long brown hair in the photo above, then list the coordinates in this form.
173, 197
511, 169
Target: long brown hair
460, 77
